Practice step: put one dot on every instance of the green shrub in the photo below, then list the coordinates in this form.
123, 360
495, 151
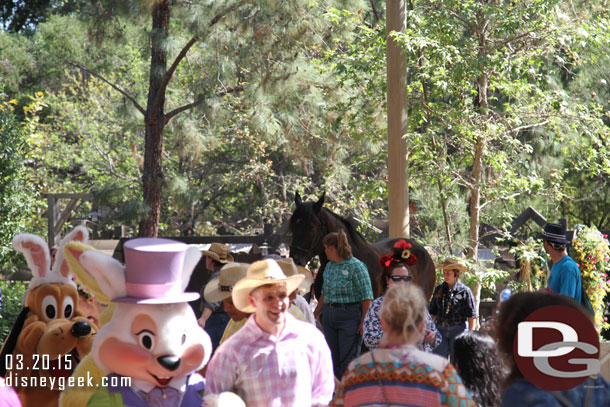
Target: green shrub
13, 293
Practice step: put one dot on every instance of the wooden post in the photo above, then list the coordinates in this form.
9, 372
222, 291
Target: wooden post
51, 211
55, 222
398, 164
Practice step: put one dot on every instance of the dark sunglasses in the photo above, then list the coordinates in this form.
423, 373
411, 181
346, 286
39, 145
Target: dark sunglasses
396, 279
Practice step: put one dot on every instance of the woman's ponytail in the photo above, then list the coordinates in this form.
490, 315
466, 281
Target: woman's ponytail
339, 241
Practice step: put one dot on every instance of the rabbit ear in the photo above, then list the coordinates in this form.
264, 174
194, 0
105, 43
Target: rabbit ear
106, 271
79, 234
36, 253
72, 251
191, 258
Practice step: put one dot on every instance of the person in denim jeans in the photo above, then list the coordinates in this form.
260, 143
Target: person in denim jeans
345, 300
452, 307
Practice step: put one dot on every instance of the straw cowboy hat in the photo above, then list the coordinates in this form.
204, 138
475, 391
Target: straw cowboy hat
452, 264
261, 273
290, 269
218, 252
220, 287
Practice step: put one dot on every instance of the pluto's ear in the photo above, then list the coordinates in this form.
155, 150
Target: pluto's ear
297, 199
318, 205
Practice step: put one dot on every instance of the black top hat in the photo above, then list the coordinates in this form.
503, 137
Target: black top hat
554, 233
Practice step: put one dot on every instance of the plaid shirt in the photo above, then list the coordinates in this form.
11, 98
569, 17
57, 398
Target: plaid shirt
294, 369
453, 307
347, 281
234, 326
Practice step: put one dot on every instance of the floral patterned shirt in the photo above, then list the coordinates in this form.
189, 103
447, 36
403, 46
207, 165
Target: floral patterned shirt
372, 328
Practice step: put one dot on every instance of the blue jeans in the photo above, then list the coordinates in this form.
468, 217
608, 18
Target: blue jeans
448, 334
340, 325
215, 327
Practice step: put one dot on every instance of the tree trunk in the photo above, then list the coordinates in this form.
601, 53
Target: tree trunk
477, 161
398, 158
152, 179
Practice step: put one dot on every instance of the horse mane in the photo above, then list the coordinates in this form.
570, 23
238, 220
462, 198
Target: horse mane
306, 212
349, 226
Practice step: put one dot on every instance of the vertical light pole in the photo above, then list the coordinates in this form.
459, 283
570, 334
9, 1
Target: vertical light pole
398, 159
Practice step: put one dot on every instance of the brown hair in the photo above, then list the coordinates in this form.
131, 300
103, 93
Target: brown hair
339, 241
403, 309
382, 278
515, 310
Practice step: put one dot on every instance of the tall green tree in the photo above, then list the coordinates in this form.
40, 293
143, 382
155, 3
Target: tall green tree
16, 208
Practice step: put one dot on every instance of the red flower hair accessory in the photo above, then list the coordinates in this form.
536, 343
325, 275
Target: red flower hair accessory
401, 250
386, 261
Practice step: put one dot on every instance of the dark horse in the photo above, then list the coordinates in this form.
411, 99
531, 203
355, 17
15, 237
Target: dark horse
310, 222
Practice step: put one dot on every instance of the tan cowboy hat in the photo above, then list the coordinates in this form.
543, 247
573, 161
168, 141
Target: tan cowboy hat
261, 273
290, 269
452, 264
219, 288
219, 252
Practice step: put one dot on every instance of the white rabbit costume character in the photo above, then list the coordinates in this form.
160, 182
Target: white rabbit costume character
153, 337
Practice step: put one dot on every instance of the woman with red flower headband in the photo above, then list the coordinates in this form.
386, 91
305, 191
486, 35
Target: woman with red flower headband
395, 272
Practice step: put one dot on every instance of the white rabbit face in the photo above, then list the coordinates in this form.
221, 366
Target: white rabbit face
155, 343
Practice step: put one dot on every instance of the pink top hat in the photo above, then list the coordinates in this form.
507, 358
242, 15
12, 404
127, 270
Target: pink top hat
154, 272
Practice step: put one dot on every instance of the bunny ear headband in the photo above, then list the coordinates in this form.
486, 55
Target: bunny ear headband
401, 253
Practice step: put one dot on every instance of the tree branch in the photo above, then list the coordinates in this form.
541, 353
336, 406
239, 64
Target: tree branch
529, 126
170, 72
374, 10
115, 87
500, 45
181, 109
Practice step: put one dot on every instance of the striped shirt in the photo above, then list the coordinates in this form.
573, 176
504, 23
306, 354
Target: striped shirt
408, 375
346, 282
293, 369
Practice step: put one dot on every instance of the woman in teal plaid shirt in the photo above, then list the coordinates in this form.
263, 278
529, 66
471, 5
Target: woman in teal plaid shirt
345, 300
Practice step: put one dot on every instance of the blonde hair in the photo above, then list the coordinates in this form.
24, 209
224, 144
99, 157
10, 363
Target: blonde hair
339, 241
403, 309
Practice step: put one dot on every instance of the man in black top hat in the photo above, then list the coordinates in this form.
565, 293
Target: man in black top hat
565, 274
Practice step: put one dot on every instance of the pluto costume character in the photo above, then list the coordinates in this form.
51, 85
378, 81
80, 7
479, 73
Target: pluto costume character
54, 336
153, 338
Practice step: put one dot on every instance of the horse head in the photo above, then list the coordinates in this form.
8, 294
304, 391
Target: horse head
307, 230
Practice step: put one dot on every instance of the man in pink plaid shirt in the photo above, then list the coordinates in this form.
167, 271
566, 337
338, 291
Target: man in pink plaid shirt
274, 359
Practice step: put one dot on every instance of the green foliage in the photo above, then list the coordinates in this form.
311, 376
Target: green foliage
592, 253
482, 76
13, 293
533, 271
290, 96
485, 276
15, 205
